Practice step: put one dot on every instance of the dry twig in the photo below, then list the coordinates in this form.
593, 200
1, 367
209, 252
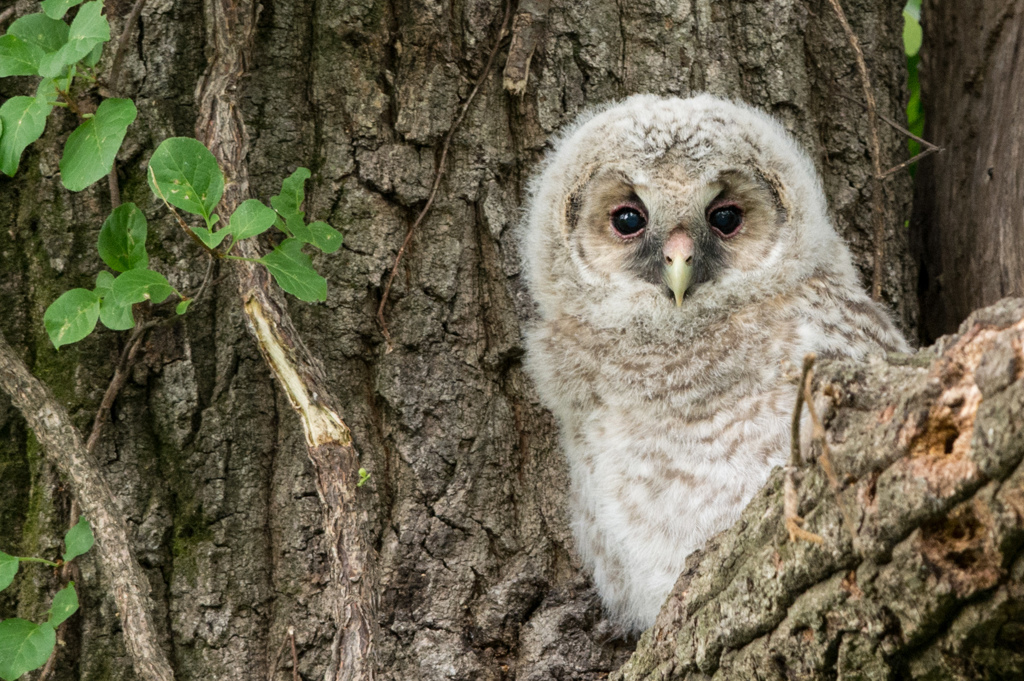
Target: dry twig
439, 173
295, 654
929, 147
791, 484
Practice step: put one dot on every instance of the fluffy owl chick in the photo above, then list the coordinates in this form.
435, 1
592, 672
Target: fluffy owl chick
679, 251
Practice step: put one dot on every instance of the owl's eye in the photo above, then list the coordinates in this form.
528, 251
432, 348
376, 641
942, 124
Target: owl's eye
726, 220
628, 221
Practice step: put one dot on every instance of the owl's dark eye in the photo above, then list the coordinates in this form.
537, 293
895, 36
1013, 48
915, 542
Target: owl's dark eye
628, 221
726, 220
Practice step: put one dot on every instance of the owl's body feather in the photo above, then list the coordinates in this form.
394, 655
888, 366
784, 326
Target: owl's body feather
672, 416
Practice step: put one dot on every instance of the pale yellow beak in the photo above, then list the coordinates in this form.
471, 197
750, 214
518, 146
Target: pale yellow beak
678, 270
677, 276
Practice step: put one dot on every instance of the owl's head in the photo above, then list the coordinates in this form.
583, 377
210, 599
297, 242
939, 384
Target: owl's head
669, 207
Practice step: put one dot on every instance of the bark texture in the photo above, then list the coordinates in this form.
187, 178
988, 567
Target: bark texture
929, 581
465, 504
968, 222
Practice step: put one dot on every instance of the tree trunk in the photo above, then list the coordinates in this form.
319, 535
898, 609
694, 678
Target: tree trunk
967, 216
477, 578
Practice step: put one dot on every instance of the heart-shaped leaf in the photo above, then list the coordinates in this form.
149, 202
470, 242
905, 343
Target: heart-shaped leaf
78, 540
40, 30
135, 286
19, 57
23, 120
24, 646
65, 603
90, 150
293, 271
8, 568
115, 315
55, 9
72, 317
251, 218
209, 237
122, 242
185, 174
319, 234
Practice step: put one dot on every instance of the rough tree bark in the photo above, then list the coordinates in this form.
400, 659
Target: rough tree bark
476, 574
968, 222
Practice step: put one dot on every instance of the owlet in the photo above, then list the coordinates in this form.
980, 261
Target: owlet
679, 252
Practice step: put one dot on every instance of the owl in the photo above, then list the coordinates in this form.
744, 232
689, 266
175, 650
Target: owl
680, 254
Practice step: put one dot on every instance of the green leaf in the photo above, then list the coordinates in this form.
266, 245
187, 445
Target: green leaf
182, 307
185, 174
72, 317
19, 57
293, 271
912, 34
23, 120
93, 58
122, 243
319, 234
89, 29
115, 315
293, 193
77, 540
24, 646
55, 9
135, 286
40, 30
65, 603
210, 238
251, 218
90, 150
104, 280
8, 568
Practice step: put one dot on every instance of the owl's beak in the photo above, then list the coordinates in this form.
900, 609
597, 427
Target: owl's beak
678, 252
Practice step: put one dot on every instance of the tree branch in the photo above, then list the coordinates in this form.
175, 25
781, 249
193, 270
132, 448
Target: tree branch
929, 449
63, 443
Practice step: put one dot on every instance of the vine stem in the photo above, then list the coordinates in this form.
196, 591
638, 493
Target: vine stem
439, 173
113, 87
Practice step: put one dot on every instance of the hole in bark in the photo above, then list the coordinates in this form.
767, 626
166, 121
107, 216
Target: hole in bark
950, 440
960, 550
